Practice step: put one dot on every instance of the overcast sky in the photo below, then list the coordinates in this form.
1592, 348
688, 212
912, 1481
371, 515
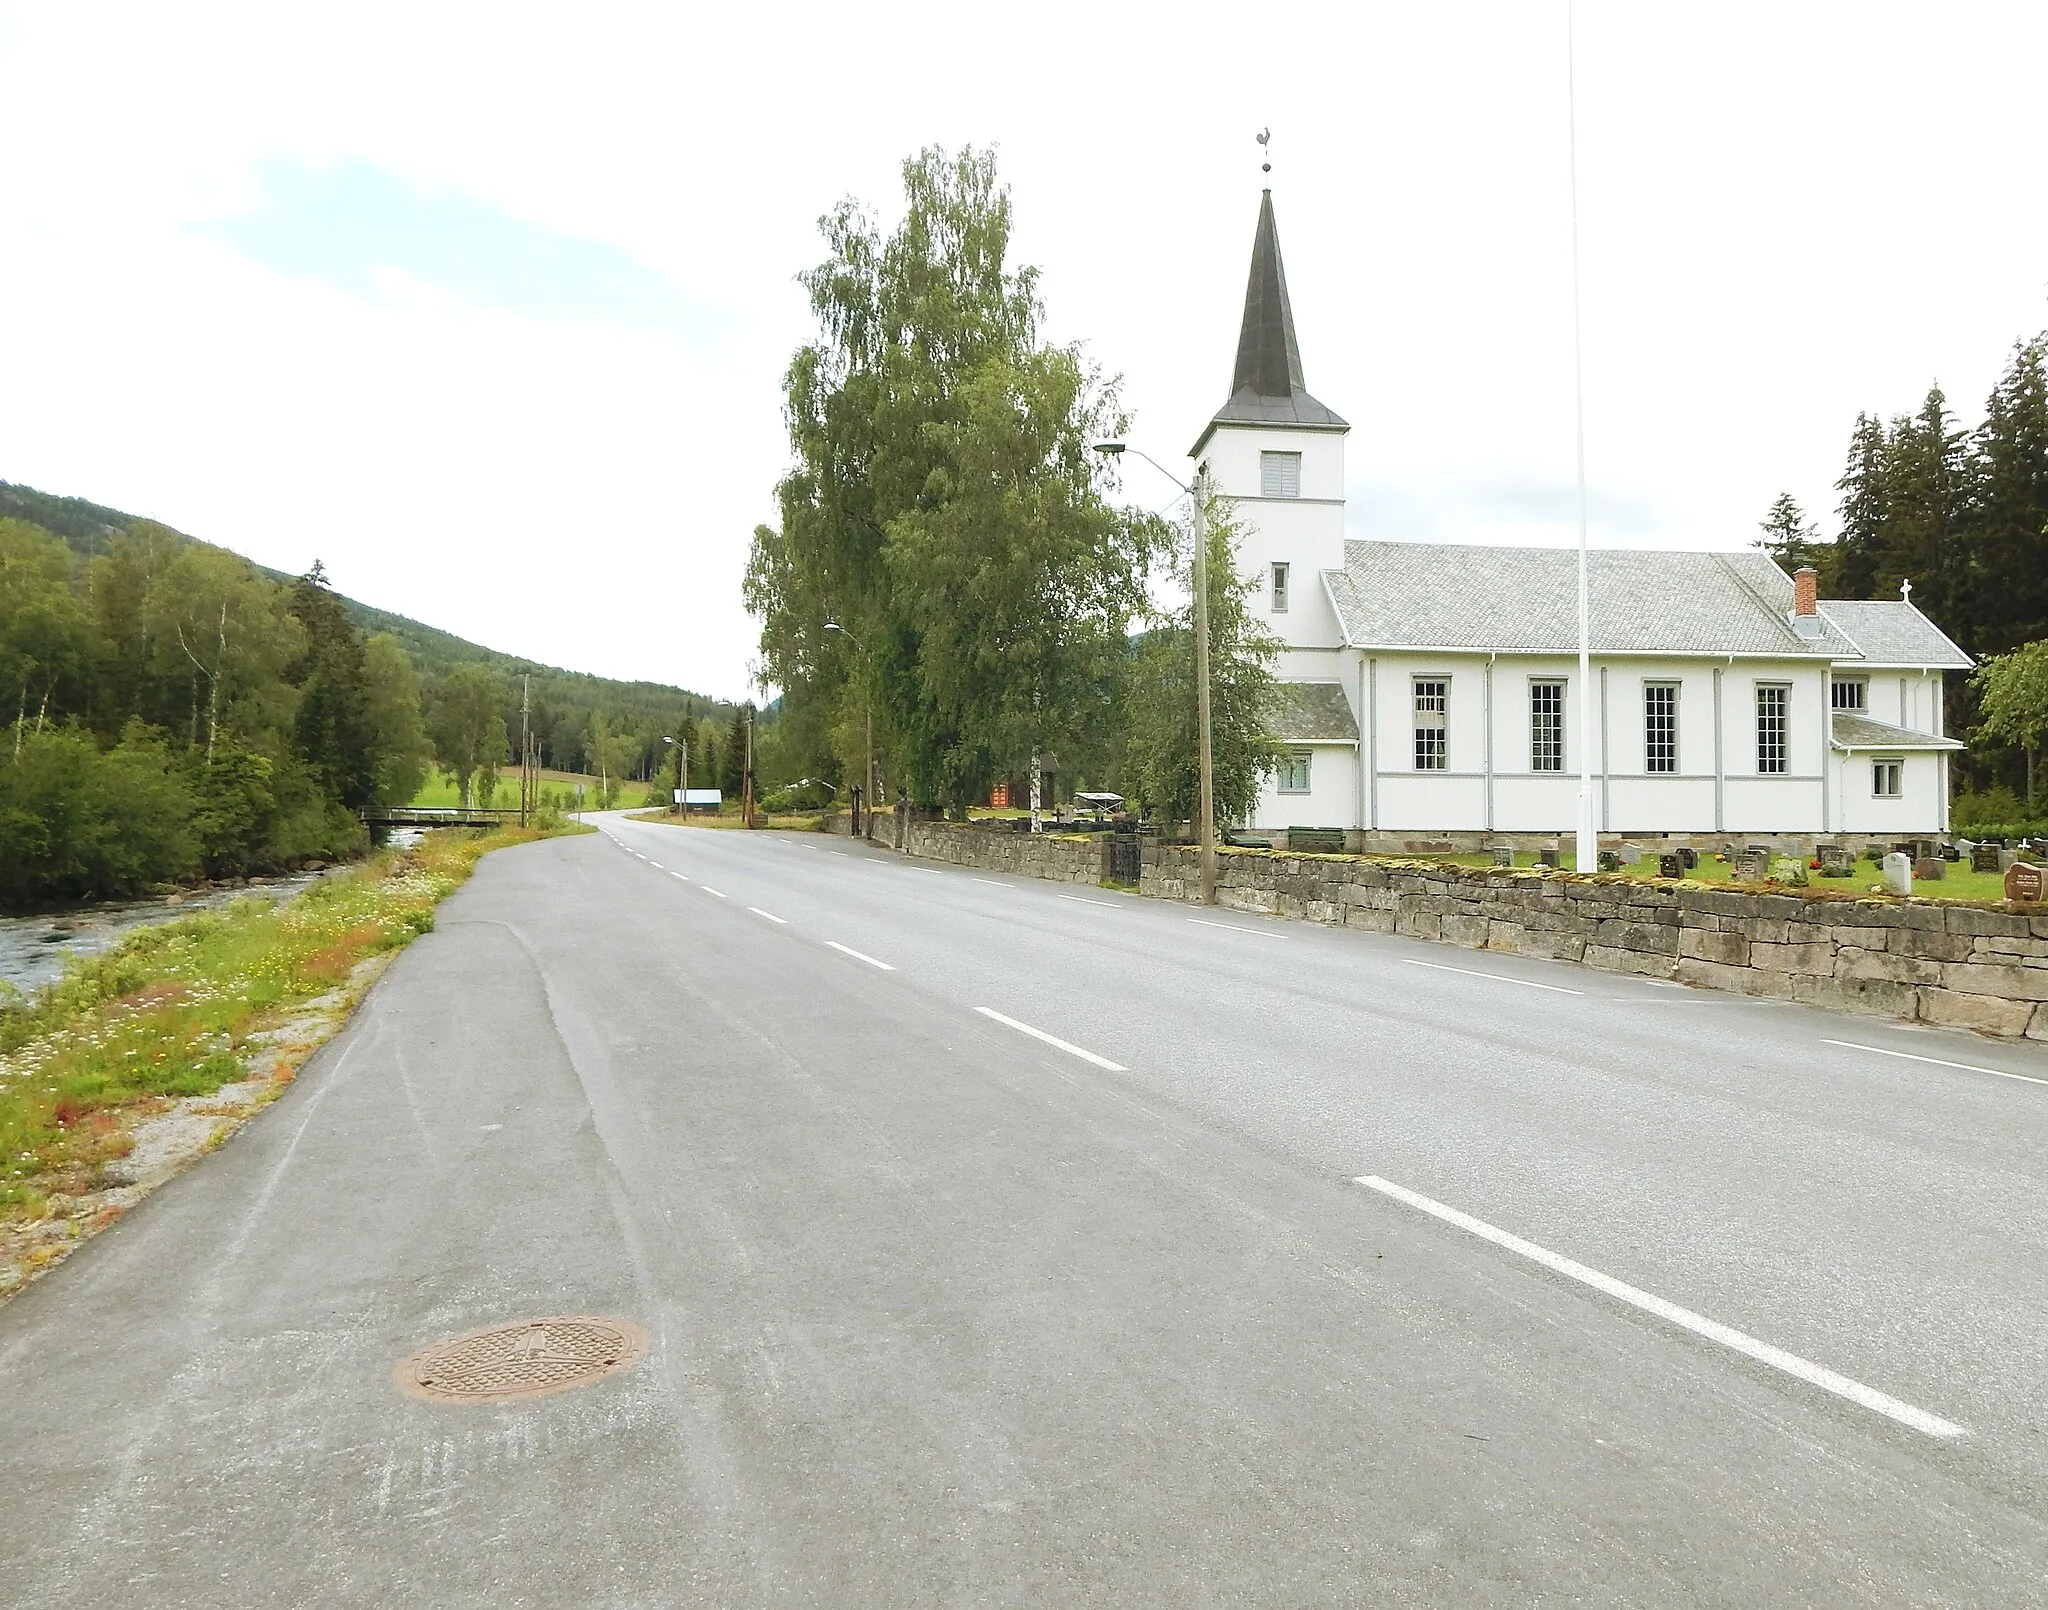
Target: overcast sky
488, 307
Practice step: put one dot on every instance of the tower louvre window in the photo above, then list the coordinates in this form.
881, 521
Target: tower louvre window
1280, 475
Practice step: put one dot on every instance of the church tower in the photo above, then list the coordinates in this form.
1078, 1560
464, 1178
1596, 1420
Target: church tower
1278, 455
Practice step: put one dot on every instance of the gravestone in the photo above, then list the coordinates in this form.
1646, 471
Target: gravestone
1898, 873
1930, 867
1609, 861
1689, 858
1985, 858
1503, 855
2026, 883
1950, 853
1670, 866
1752, 866
1631, 855
1547, 856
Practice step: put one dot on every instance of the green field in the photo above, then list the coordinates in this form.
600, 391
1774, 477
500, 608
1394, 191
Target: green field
438, 790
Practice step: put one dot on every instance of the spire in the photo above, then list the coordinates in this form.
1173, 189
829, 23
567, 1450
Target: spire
1268, 356
1266, 387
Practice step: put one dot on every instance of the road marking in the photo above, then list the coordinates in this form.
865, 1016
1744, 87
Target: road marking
677, 875
657, 866
991, 882
859, 956
1083, 900
1498, 978
1967, 1067
1714, 1331
757, 911
1053, 1040
709, 890
1202, 922
932, 870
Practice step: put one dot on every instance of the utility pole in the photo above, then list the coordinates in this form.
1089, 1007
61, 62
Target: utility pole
525, 748
1206, 838
747, 777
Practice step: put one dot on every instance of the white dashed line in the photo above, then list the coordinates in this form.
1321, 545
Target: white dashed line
1231, 927
1053, 1040
1714, 1331
1083, 900
859, 956
757, 911
709, 890
1498, 978
1967, 1067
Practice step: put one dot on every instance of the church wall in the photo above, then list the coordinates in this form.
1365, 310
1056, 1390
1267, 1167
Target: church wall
1332, 799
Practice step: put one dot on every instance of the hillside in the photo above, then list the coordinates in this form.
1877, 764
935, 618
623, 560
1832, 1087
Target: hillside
565, 698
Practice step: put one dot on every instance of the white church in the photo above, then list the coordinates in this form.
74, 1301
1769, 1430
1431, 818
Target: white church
1431, 691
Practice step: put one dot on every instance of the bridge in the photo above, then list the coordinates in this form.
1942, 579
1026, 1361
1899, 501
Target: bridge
441, 816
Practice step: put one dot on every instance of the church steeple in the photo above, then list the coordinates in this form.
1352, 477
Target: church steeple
1266, 387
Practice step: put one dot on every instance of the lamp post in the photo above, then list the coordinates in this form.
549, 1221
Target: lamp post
682, 749
867, 798
1198, 495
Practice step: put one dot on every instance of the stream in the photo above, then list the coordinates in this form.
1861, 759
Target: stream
34, 949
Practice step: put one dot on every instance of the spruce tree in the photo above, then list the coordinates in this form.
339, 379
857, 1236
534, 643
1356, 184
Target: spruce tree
1858, 547
1793, 540
1926, 511
732, 760
331, 728
2009, 513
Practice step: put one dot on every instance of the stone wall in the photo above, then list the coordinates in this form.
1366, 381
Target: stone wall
1039, 855
1955, 965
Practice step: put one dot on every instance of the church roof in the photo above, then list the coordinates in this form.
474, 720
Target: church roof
1849, 730
1266, 387
1312, 712
1890, 631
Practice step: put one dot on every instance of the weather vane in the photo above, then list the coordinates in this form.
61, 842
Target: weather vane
1266, 149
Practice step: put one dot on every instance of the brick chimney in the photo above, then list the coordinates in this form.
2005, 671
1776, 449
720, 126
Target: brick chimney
1806, 591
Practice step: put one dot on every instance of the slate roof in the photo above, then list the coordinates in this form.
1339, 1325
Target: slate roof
1312, 712
1525, 600
1852, 731
1266, 387
1890, 631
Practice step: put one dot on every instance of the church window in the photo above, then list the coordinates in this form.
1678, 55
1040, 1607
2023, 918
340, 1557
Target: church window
1773, 717
1660, 726
1294, 772
1280, 475
1546, 725
1432, 722
1886, 778
1280, 589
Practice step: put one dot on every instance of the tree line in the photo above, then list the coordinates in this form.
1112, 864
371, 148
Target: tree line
1962, 513
950, 563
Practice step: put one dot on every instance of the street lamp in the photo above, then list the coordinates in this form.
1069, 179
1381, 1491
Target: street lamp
1198, 495
682, 749
867, 799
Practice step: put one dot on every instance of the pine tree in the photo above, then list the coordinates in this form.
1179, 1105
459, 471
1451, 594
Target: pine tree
1858, 548
2009, 513
1793, 540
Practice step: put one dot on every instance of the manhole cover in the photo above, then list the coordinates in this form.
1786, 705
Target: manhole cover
523, 1360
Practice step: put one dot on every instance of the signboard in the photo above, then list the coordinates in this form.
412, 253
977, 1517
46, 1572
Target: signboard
2026, 884
700, 796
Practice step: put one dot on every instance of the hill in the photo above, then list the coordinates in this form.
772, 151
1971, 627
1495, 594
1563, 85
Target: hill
564, 700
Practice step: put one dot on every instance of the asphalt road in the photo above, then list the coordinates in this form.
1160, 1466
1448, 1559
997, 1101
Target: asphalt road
1656, 1297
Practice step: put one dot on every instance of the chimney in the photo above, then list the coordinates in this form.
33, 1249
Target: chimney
1806, 591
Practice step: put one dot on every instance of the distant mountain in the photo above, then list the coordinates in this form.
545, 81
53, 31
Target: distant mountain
567, 697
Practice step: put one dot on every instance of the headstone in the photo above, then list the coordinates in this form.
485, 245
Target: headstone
1609, 861
1503, 855
2026, 883
1930, 867
1925, 849
1689, 858
2007, 859
1752, 866
1631, 855
1788, 869
1831, 856
1950, 853
1898, 873
1670, 866
1547, 856
1985, 858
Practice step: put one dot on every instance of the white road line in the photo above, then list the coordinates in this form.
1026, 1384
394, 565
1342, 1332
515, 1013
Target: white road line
1053, 1040
657, 866
1967, 1067
709, 890
1498, 978
1263, 933
991, 882
859, 956
1083, 900
757, 911
676, 875
1713, 1330
932, 870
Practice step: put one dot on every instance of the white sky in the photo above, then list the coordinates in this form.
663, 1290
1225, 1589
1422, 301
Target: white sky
488, 307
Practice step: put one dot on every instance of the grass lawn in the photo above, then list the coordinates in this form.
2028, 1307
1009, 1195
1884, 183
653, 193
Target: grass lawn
788, 822
438, 790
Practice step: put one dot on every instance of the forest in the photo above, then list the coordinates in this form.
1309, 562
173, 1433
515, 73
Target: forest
1962, 513
176, 712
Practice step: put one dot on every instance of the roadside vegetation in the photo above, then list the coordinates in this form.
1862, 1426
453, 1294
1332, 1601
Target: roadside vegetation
177, 1009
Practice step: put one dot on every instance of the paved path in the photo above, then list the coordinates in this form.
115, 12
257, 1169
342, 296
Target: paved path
1658, 1298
